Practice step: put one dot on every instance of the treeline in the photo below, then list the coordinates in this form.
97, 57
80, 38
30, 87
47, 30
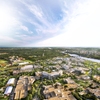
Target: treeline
32, 54
85, 52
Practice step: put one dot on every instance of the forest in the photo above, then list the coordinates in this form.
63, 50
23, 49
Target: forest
85, 52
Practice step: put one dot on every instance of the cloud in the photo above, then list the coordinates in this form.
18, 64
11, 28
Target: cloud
24, 28
6, 41
82, 29
45, 19
50, 23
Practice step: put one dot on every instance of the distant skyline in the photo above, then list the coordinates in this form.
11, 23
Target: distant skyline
49, 23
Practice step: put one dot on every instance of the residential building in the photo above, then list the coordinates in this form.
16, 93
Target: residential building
69, 81
66, 67
84, 77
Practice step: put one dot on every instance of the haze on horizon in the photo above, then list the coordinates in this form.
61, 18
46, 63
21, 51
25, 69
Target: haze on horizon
49, 23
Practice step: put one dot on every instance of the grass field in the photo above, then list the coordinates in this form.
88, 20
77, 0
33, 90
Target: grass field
3, 61
28, 61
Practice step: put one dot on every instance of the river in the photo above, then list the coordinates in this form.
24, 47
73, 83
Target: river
90, 59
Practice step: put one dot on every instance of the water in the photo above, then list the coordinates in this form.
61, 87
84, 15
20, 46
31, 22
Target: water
90, 59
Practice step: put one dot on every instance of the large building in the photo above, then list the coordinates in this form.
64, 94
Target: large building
11, 81
27, 68
51, 93
23, 86
52, 74
8, 90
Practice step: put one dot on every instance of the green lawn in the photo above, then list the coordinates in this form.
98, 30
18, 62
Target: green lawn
28, 61
3, 61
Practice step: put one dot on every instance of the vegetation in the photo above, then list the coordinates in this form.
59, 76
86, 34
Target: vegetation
85, 52
43, 57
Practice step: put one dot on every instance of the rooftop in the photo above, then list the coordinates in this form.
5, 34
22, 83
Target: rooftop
8, 90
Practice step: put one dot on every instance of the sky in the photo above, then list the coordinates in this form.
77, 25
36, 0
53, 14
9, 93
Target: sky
49, 23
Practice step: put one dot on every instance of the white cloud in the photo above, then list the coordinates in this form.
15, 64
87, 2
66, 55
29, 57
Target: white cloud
7, 18
83, 28
6, 41
44, 22
72, 22
24, 28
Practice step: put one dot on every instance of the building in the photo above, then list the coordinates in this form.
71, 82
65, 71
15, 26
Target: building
20, 91
96, 77
16, 72
51, 93
52, 74
11, 81
70, 86
38, 73
23, 86
31, 79
66, 67
45, 74
27, 67
69, 81
8, 90
95, 92
23, 63
84, 77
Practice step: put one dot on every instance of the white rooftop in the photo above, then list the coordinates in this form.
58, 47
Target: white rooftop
27, 67
8, 90
11, 81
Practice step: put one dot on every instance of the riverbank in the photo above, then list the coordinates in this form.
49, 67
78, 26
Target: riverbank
90, 59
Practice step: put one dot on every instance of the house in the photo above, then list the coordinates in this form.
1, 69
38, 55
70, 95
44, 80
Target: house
96, 77
84, 77
69, 81
38, 73
78, 71
11, 81
95, 92
37, 66
45, 74
94, 85
27, 67
15, 72
70, 86
98, 69
8, 90
66, 67
53, 75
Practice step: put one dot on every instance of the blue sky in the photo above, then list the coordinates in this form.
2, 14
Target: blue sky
68, 23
